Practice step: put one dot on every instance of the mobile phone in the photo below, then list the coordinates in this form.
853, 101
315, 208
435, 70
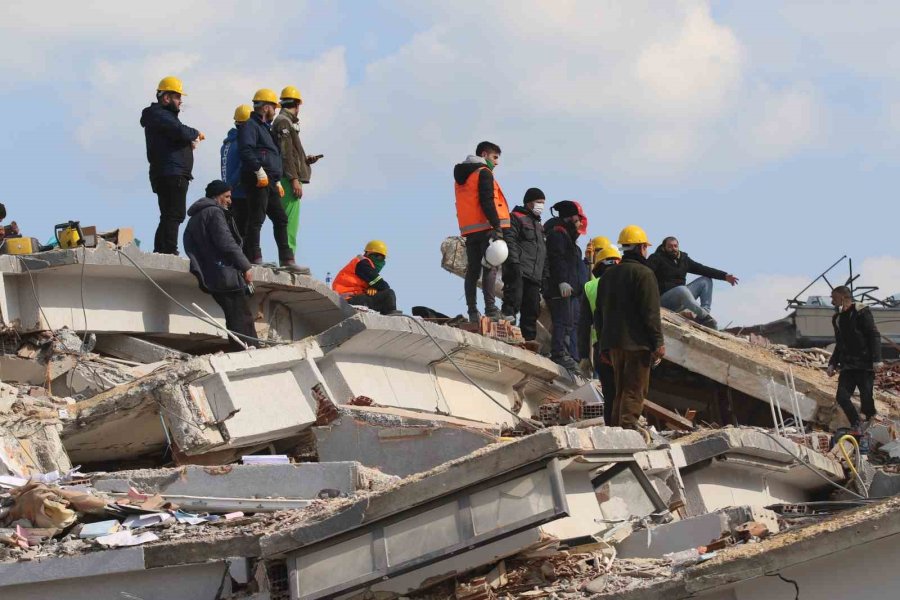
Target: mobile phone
318, 156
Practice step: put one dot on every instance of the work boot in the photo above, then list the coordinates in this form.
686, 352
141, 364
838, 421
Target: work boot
565, 361
293, 267
492, 312
511, 319
257, 260
474, 316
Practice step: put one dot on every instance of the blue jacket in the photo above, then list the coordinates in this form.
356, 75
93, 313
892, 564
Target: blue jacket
231, 164
564, 260
213, 246
258, 148
169, 150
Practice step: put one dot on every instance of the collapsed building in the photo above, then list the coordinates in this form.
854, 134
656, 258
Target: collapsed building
369, 456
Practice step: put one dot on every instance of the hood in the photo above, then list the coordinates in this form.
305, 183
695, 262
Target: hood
231, 137
463, 170
201, 204
149, 114
524, 211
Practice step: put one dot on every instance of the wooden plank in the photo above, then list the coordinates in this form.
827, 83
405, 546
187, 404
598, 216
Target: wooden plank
673, 419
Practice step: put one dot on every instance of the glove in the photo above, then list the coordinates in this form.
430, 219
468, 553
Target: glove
565, 290
200, 137
262, 180
280, 189
586, 368
371, 292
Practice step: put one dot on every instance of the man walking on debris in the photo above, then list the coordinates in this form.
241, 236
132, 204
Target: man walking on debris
170, 152
483, 216
857, 354
628, 324
360, 282
671, 266
213, 246
564, 281
231, 168
525, 268
260, 177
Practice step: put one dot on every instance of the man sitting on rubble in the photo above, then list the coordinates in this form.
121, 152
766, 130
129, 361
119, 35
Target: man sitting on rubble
360, 282
213, 246
671, 266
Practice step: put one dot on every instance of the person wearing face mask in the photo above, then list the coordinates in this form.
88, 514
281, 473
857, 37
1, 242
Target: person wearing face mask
524, 269
628, 323
360, 282
170, 152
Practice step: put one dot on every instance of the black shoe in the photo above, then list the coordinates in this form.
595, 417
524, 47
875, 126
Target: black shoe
474, 316
565, 361
493, 313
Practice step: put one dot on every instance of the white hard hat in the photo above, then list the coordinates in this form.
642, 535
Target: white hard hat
496, 254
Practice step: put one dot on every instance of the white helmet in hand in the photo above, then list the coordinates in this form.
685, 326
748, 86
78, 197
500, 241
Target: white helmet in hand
496, 254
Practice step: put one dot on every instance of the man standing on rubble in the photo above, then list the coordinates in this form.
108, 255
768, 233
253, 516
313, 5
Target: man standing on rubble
564, 280
483, 216
628, 324
360, 282
857, 354
525, 268
213, 246
231, 168
170, 152
671, 266
261, 170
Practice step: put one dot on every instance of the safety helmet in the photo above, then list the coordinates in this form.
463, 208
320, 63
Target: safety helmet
242, 113
377, 247
607, 253
266, 95
170, 84
496, 254
599, 243
291, 93
632, 235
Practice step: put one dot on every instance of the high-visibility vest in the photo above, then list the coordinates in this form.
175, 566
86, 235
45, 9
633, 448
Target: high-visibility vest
590, 292
348, 283
469, 214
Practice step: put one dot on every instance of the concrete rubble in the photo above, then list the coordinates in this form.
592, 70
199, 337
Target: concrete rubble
364, 456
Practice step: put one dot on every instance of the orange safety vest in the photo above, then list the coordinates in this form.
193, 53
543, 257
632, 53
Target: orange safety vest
468, 209
348, 283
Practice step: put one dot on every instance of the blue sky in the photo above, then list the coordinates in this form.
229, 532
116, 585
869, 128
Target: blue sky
764, 135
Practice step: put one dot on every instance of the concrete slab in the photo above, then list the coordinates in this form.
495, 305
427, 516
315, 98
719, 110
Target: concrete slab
30, 445
653, 542
128, 347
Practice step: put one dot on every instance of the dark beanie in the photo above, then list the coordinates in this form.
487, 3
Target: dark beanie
533, 194
217, 187
565, 208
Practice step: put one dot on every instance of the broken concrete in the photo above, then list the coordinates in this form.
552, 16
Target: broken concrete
129, 347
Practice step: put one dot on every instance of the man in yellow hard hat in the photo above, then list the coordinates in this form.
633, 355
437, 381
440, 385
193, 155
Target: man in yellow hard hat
297, 165
360, 282
628, 324
170, 152
593, 248
231, 168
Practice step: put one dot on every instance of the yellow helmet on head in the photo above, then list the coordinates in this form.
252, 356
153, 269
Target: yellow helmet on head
632, 235
377, 247
266, 95
291, 93
599, 243
242, 113
606, 254
170, 84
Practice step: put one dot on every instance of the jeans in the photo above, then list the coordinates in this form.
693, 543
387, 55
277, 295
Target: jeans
476, 244
263, 202
563, 316
521, 295
171, 192
687, 296
384, 301
632, 374
864, 381
238, 318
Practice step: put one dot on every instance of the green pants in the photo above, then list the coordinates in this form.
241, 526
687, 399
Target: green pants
292, 207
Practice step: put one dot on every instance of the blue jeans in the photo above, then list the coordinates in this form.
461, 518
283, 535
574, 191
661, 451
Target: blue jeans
695, 297
561, 312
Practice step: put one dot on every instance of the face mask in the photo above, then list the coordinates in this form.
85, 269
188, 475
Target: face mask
379, 264
537, 208
489, 163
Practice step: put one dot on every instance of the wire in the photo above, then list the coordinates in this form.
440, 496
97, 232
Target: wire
854, 469
84, 337
786, 580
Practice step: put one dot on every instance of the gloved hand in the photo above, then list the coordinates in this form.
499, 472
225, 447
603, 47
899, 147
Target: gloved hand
371, 292
262, 180
586, 368
280, 189
565, 290
200, 137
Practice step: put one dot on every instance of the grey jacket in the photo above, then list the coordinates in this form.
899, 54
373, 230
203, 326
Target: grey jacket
286, 128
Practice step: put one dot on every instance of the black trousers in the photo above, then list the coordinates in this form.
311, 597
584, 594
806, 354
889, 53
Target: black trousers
864, 381
521, 295
607, 377
239, 214
384, 301
238, 317
476, 244
263, 202
562, 314
171, 192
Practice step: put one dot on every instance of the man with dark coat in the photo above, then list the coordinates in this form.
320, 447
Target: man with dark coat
170, 152
525, 268
213, 246
857, 354
628, 323
231, 168
671, 266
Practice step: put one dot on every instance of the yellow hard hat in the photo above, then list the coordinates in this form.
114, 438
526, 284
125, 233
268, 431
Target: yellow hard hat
266, 95
291, 93
607, 253
377, 247
631, 235
599, 243
242, 113
170, 84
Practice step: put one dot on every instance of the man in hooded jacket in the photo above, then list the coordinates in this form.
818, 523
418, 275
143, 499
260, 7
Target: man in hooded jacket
525, 268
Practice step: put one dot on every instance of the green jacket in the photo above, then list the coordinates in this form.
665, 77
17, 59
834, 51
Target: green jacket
628, 314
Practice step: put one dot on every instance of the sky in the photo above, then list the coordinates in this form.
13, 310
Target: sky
764, 135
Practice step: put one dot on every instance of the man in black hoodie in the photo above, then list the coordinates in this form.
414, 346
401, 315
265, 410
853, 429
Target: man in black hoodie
564, 280
525, 268
213, 246
170, 152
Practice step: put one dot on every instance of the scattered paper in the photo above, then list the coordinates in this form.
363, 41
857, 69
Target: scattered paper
91, 531
189, 518
139, 521
126, 538
9, 481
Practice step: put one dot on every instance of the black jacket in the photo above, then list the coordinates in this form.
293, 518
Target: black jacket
213, 245
169, 150
461, 173
527, 249
672, 272
628, 315
257, 148
857, 339
563, 259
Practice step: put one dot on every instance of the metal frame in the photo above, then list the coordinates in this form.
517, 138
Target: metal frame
641, 478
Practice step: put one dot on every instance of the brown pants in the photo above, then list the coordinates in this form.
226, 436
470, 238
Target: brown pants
632, 372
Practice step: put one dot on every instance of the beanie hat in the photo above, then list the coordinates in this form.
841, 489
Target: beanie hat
217, 187
566, 208
533, 195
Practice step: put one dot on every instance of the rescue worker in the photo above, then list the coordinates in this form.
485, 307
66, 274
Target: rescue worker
628, 324
170, 152
261, 179
360, 282
594, 361
857, 354
213, 245
297, 165
593, 248
564, 281
671, 267
483, 215
231, 168
524, 269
